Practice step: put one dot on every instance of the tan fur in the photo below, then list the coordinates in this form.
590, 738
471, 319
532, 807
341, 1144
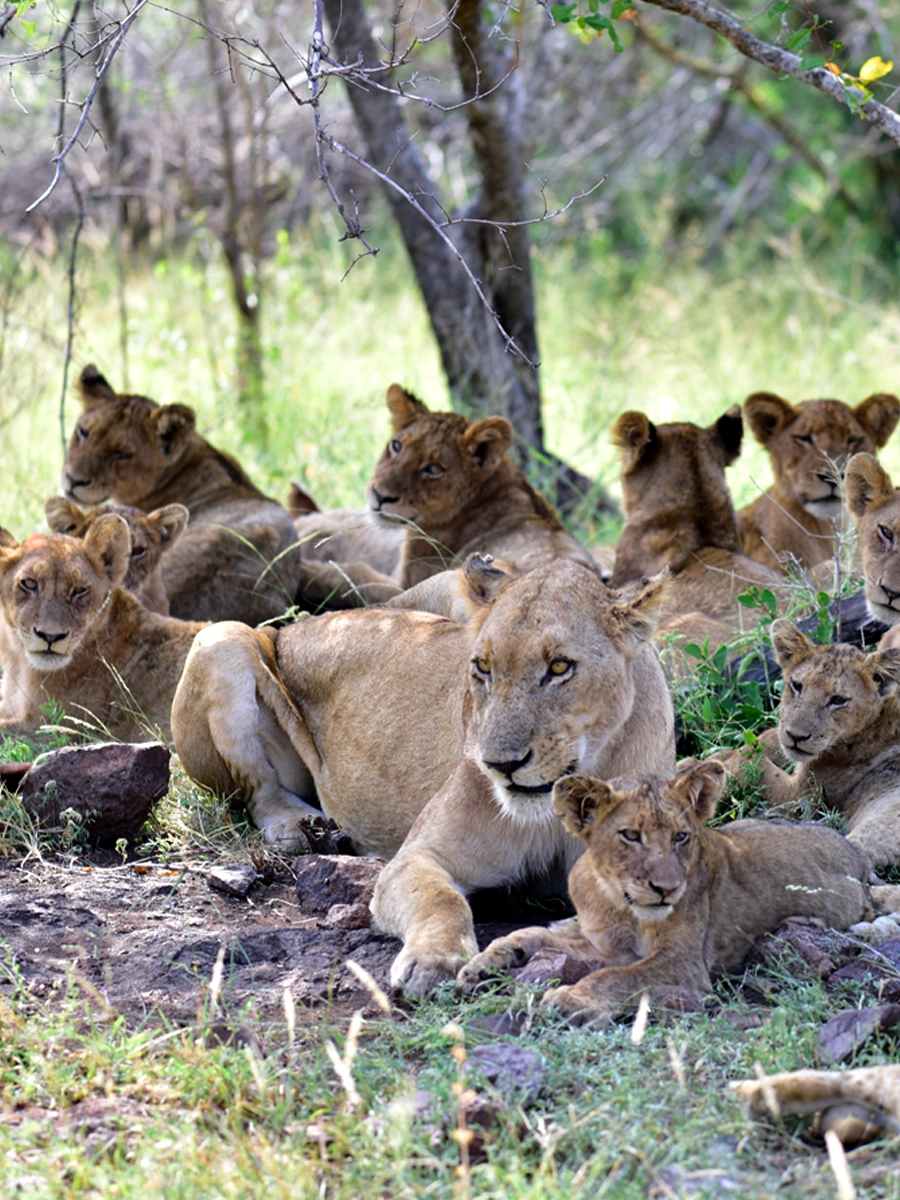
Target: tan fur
151, 533
875, 504
667, 904
380, 715
239, 556
349, 558
809, 445
679, 514
840, 722
70, 634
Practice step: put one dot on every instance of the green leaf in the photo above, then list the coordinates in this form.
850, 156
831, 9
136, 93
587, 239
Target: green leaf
778, 8
814, 60
799, 40
564, 13
594, 5
749, 736
619, 7
604, 24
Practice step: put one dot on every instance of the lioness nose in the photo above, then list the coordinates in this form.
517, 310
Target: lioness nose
50, 638
796, 738
889, 592
509, 768
383, 499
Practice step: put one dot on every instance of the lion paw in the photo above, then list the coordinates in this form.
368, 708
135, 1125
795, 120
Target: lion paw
577, 1008
418, 973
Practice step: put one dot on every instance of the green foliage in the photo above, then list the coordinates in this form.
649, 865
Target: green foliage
594, 21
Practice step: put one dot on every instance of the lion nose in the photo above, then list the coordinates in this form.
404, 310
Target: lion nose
829, 479
510, 767
50, 638
379, 499
72, 484
796, 738
889, 592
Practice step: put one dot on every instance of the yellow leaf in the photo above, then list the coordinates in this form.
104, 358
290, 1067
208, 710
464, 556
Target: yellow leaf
874, 68
833, 68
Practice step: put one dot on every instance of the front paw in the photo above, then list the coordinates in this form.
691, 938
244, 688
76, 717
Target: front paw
577, 1008
490, 962
418, 972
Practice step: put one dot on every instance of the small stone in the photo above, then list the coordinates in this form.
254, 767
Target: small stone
845, 1033
510, 1068
555, 964
234, 880
348, 916
324, 880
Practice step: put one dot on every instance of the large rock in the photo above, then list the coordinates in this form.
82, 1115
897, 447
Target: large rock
325, 880
111, 786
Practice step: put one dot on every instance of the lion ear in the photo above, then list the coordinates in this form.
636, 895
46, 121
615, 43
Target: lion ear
64, 516
884, 667
483, 579
404, 407
487, 441
109, 541
879, 414
169, 522
866, 484
700, 785
7, 541
729, 430
94, 387
791, 645
635, 435
632, 616
300, 502
578, 800
174, 424
767, 414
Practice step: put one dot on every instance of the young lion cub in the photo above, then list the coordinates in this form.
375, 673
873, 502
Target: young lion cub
666, 903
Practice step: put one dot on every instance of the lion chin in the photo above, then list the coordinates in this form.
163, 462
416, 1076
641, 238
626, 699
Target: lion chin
524, 807
51, 660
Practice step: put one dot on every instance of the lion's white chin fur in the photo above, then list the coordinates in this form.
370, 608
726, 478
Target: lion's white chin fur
536, 809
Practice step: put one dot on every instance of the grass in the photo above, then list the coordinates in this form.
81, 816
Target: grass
95, 1103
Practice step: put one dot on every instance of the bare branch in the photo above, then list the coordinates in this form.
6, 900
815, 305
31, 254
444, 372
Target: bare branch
782, 62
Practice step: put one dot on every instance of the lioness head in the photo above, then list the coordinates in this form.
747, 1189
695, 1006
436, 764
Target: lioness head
809, 443
832, 693
434, 462
551, 677
150, 533
875, 504
121, 444
641, 833
52, 588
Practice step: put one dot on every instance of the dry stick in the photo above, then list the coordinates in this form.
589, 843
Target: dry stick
782, 62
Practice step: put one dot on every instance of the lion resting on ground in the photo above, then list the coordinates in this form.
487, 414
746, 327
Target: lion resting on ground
875, 504
238, 558
398, 719
809, 445
70, 634
840, 722
151, 533
447, 481
664, 902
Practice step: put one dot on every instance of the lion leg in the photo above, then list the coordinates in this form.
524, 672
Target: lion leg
520, 946
231, 726
595, 1000
875, 829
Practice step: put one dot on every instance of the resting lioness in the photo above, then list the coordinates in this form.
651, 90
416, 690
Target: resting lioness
840, 722
795, 520
239, 557
70, 634
875, 503
151, 533
666, 903
375, 713
448, 483
679, 514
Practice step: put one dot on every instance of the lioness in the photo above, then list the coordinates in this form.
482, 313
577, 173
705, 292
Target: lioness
808, 444
875, 503
70, 634
666, 903
448, 483
376, 713
679, 514
239, 557
151, 533
840, 722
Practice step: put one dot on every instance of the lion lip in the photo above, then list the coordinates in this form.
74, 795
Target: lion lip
540, 790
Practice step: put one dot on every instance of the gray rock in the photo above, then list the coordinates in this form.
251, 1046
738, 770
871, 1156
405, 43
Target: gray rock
324, 880
235, 879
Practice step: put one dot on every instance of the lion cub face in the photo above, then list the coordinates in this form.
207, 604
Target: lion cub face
809, 444
122, 444
551, 680
53, 588
434, 462
831, 693
875, 504
641, 834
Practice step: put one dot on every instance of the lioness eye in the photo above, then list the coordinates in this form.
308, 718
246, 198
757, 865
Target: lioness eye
679, 839
559, 667
803, 438
837, 702
483, 665
28, 585
78, 592
396, 446
433, 470
887, 533
631, 835
138, 552
796, 687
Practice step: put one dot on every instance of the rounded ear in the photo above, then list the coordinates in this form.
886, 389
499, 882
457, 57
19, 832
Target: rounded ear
64, 516
866, 484
487, 441
174, 424
879, 414
578, 800
767, 414
109, 541
93, 387
404, 407
169, 522
7, 541
300, 502
632, 616
700, 786
884, 666
635, 435
484, 579
729, 429
791, 645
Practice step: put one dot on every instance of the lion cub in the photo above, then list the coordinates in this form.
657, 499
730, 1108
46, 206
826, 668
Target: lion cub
875, 503
666, 903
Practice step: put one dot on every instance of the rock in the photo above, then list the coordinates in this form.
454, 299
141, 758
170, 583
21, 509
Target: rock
12, 774
839, 1037
235, 879
819, 950
510, 1068
111, 786
879, 968
554, 964
324, 880
348, 916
